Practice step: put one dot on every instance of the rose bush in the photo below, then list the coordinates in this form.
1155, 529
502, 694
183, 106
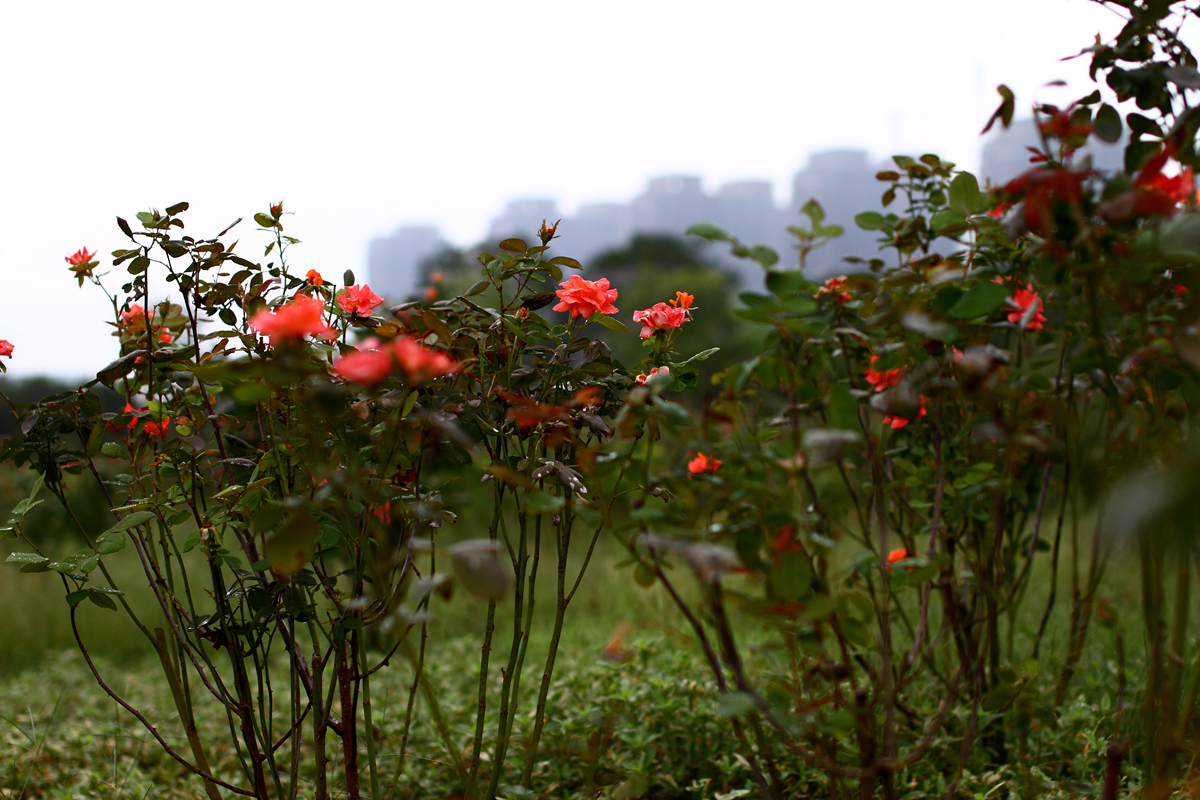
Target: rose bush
867, 507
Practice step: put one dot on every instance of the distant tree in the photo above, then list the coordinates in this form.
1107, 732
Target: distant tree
452, 265
30, 390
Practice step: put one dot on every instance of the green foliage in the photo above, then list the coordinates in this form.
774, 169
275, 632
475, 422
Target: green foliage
855, 527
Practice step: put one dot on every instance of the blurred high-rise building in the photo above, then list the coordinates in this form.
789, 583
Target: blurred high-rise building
843, 181
394, 262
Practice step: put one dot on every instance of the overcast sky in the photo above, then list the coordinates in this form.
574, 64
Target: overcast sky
381, 114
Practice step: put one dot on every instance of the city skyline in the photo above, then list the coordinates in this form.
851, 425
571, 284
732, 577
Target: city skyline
383, 113
842, 180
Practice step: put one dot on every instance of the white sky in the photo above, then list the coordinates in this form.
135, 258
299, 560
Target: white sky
381, 114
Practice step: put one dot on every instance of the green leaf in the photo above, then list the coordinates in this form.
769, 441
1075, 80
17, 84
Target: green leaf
478, 569
95, 440
1138, 153
410, 402
747, 373
25, 558
75, 598
813, 210
735, 704
435, 324
965, 197
110, 543
709, 232
509, 476
981, 300
541, 502
190, 543
869, 220
1005, 112
113, 450
611, 323
178, 208
783, 284
999, 697
566, 261
292, 547
119, 368
477, 288
133, 520
843, 408
1144, 125
948, 222
673, 413
799, 305
856, 632
631, 788
1107, 124
514, 245
753, 300
792, 575
25, 506
102, 600
264, 220
703, 355
764, 255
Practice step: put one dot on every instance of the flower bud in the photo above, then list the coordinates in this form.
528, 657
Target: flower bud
348, 277
546, 232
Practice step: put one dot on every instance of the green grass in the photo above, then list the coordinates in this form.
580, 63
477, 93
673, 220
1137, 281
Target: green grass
655, 717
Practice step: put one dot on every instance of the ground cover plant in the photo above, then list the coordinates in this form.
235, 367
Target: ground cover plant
933, 538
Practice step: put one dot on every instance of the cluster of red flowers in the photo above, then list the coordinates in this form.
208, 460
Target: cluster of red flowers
152, 428
642, 378
664, 317
659, 317
702, 464
1020, 300
135, 321
373, 362
1024, 298
358, 299
883, 380
584, 298
1041, 187
890, 379
1158, 194
836, 288
314, 278
302, 316
135, 314
81, 256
